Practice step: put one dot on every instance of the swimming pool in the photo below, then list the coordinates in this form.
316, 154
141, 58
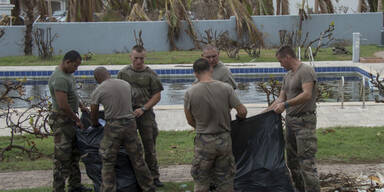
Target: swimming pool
175, 87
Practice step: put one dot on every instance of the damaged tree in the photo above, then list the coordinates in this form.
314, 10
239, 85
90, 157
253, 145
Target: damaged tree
31, 120
43, 40
379, 84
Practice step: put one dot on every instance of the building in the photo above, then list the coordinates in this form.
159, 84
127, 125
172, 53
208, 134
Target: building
5, 7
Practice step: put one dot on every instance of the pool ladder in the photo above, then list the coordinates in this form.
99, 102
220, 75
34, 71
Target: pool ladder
362, 90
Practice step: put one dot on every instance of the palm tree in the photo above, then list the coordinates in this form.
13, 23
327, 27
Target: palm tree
244, 23
82, 11
175, 12
138, 14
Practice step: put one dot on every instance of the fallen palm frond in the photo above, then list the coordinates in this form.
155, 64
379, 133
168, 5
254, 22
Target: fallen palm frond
138, 14
244, 23
326, 6
174, 14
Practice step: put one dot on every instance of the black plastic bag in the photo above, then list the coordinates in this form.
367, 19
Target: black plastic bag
88, 142
258, 147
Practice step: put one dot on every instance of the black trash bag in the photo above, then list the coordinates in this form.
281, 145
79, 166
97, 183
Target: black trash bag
258, 147
88, 142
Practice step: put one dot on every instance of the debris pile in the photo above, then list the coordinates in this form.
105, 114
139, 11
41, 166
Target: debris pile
340, 182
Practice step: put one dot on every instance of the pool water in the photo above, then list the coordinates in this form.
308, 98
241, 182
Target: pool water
248, 92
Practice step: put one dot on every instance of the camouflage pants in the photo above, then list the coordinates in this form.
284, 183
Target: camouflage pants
148, 130
117, 133
213, 163
301, 149
66, 155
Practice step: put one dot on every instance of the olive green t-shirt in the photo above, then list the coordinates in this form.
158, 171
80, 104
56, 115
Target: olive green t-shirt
210, 104
115, 96
292, 85
144, 84
61, 81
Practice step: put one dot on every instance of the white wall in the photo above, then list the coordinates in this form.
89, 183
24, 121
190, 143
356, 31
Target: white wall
294, 5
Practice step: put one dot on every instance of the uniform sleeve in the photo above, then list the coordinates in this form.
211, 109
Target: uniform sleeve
283, 83
233, 99
187, 102
96, 96
60, 84
119, 75
156, 85
308, 75
230, 80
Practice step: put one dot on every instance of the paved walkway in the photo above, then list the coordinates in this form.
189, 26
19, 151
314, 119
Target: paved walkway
176, 173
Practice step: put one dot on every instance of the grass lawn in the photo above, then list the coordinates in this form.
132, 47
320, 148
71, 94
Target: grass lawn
341, 145
181, 57
168, 187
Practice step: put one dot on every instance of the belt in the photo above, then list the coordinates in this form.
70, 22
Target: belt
121, 119
303, 114
218, 133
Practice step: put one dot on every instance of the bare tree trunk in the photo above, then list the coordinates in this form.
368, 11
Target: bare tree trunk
278, 7
316, 11
29, 5
285, 7
379, 5
49, 7
71, 11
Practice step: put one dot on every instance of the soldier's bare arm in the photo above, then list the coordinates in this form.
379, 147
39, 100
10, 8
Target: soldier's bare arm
281, 99
151, 102
94, 115
191, 121
303, 97
62, 101
241, 111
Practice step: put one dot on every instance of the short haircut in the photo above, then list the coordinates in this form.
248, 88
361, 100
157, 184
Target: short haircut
209, 47
285, 51
201, 65
138, 48
72, 56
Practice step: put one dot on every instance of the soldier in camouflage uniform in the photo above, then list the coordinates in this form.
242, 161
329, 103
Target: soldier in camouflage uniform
63, 121
298, 98
146, 93
207, 107
115, 96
